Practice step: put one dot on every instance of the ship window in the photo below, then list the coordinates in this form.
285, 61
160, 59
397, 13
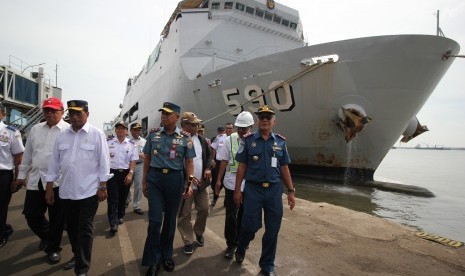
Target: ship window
228, 5
153, 58
249, 10
240, 6
268, 16
285, 23
259, 13
215, 6
293, 25
277, 19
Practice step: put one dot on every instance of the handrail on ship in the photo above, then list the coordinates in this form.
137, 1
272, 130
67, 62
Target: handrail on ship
308, 69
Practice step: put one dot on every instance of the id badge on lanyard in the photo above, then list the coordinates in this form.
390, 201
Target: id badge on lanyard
173, 152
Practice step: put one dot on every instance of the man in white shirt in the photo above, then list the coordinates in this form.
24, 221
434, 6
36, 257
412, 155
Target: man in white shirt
202, 162
11, 152
216, 146
227, 170
123, 156
80, 156
34, 168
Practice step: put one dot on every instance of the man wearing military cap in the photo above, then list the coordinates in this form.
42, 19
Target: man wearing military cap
263, 162
11, 153
80, 157
123, 156
202, 162
168, 159
34, 166
139, 141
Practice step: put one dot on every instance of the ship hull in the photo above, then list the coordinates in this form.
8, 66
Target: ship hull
390, 77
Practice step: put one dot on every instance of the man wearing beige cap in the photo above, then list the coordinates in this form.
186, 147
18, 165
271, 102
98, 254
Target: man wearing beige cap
32, 172
202, 162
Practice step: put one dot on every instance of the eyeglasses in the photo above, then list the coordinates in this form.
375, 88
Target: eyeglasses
75, 113
267, 117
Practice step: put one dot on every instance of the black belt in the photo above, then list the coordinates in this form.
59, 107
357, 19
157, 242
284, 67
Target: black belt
119, 170
263, 184
165, 170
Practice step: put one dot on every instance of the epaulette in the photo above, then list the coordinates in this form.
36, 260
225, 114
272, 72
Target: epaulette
12, 128
280, 136
185, 133
154, 129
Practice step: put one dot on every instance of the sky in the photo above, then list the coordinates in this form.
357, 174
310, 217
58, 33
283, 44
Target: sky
98, 45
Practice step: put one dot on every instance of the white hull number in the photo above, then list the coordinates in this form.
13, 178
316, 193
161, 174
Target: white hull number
282, 98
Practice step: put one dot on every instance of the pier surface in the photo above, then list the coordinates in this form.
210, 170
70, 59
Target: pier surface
315, 239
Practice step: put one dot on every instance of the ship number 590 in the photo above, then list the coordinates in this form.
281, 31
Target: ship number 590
282, 98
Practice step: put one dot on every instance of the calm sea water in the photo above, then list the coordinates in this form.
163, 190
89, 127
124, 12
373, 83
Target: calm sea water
440, 171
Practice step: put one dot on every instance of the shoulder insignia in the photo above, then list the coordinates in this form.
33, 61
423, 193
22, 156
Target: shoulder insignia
154, 130
280, 136
12, 128
248, 134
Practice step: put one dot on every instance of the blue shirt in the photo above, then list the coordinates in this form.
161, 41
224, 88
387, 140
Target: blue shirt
257, 154
159, 145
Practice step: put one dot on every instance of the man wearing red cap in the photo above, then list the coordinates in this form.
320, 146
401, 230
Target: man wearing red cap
33, 167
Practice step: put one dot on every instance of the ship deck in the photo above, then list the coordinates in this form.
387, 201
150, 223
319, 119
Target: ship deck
315, 239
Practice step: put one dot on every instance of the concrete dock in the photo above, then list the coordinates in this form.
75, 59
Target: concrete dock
315, 239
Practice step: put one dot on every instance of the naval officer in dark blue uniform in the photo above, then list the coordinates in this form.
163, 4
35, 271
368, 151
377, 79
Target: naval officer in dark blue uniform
263, 162
169, 154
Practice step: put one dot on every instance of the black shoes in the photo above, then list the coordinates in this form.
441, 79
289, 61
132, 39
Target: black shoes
230, 252
213, 203
114, 229
54, 257
266, 273
121, 221
8, 232
70, 264
168, 265
153, 270
138, 211
239, 257
200, 240
189, 249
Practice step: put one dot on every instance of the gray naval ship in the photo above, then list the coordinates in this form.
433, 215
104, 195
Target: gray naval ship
341, 105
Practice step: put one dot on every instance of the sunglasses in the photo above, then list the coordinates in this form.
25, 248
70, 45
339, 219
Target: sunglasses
267, 117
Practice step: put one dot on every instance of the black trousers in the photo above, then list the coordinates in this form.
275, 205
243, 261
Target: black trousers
79, 217
6, 177
232, 220
214, 178
50, 230
117, 194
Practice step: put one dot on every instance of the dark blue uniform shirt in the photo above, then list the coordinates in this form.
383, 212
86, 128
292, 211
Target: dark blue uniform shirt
257, 154
159, 145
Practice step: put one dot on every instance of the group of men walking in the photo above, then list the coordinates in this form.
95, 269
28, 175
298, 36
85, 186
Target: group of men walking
73, 167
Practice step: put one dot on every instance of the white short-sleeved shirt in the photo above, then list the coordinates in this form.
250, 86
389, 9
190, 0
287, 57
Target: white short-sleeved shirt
121, 154
10, 144
218, 143
225, 154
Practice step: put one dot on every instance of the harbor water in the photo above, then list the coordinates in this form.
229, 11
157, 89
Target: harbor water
440, 171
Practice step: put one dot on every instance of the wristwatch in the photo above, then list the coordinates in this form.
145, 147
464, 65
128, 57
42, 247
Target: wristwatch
103, 188
292, 190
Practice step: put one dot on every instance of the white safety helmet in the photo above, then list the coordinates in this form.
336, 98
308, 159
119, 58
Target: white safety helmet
244, 119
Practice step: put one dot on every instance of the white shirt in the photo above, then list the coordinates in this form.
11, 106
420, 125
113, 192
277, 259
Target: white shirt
140, 143
37, 154
10, 144
121, 154
198, 162
218, 143
83, 161
225, 154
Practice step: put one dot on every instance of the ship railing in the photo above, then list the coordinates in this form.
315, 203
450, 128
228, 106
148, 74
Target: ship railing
308, 65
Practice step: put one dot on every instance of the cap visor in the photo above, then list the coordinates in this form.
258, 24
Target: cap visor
52, 107
77, 108
166, 110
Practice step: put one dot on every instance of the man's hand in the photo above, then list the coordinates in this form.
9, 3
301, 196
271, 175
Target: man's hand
237, 197
291, 200
128, 179
17, 184
49, 196
144, 188
102, 195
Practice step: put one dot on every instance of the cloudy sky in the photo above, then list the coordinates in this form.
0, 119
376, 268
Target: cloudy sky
98, 45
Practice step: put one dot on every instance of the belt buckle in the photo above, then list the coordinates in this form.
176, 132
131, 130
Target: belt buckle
120, 170
165, 170
265, 185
